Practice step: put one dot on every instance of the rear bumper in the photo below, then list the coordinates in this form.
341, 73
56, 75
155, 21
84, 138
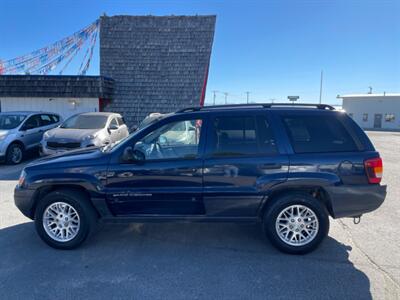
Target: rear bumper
351, 201
23, 199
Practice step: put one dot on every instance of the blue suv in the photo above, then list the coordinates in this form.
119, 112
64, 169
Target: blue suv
286, 167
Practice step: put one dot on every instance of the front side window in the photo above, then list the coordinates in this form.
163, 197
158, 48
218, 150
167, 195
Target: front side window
113, 123
32, 122
11, 121
242, 136
176, 140
85, 122
317, 133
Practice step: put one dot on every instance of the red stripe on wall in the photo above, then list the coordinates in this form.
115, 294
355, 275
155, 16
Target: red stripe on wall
203, 90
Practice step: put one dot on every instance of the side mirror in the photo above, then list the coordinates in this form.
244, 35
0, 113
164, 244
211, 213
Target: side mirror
131, 155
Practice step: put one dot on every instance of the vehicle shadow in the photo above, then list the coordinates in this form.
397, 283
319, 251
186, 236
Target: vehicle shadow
178, 261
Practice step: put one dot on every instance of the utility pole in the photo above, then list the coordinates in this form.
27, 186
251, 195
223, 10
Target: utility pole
226, 97
247, 97
214, 96
320, 87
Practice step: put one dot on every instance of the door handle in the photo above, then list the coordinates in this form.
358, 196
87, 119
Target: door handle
272, 166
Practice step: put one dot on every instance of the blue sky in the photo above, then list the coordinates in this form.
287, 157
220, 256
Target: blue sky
271, 48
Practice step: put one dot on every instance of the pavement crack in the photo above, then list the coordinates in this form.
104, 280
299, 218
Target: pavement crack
369, 259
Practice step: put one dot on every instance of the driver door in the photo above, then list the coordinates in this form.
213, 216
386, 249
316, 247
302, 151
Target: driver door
31, 131
168, 179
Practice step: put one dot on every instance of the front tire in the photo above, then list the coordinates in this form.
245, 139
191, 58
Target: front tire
15, 154
296, 223
64, 219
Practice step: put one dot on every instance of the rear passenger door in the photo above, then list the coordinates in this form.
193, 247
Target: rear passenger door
243, 160
324, 148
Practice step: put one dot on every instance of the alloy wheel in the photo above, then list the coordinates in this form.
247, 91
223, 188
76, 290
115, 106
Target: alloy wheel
297, 225
61, 221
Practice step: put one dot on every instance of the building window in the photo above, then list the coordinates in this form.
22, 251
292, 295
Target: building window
351, 115
365, 117
389, 117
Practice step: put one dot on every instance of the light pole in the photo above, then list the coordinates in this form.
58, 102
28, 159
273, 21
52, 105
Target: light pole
226, 97
320, 87
214, 96
247, 97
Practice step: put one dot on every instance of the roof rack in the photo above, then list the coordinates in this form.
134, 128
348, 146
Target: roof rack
255, 105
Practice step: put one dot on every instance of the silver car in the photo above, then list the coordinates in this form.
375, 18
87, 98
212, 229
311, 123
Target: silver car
93, 129
22, 131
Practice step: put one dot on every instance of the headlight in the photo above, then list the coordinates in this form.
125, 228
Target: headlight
46, 135
2, 137
21, 180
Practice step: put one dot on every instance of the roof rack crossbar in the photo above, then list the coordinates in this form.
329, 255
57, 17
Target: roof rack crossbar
264, 105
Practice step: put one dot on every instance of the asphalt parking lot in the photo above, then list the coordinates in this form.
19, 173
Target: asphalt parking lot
206, 261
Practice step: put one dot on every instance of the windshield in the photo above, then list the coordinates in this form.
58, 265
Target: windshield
11, 121
85, 122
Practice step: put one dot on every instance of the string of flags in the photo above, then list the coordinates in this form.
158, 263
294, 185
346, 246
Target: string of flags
47, 59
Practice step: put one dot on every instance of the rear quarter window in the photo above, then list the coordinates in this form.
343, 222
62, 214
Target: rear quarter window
318, 133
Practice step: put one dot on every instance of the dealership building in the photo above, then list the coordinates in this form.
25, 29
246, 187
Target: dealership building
147, 64
374, 111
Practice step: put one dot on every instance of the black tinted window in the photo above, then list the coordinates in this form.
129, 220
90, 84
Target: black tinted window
55, 118
310, 134
32, 122
45, 120
238, 136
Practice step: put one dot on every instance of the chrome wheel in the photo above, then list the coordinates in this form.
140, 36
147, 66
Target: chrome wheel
16, 155
61, 221
297, 225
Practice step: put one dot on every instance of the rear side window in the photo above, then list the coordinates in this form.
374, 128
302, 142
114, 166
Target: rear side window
317, 133
241, 136
55, 118
45, 120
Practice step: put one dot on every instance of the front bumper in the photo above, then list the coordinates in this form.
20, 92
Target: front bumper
24, 201
352, 201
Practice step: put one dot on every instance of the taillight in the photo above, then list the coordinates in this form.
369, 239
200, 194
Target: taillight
374, 169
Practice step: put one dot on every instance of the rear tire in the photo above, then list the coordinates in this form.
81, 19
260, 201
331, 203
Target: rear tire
64, 219
296, 223
15, 154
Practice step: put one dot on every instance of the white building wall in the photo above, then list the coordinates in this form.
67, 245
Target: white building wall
383, 105
65, 107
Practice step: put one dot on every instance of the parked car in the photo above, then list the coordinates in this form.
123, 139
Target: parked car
151, 118
93, 129
21, 131
286, 167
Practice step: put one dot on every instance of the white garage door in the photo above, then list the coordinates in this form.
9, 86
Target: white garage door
62, 106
